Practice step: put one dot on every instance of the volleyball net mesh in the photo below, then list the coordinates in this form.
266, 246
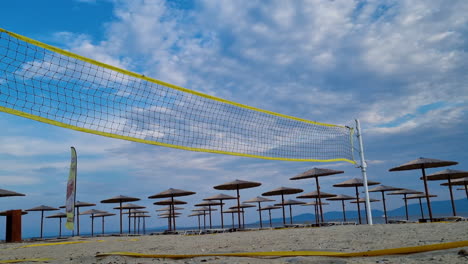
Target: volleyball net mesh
54, 86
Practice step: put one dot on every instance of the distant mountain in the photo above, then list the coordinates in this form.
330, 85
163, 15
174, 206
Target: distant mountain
440, 208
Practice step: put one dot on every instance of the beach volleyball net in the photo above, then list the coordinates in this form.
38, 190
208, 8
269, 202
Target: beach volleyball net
54, 86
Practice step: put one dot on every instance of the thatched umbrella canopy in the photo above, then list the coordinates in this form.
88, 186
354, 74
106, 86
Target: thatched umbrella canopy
102, 215
198, 216
419, 196
237, 185
269, 208
232, 212
241, 207
168, 208
382, 189
220, 197
405, 192
259, 200
6, 193
204, 209
459, 182
209, 204
92, 212
59, 216
448, 175
41, 209
342, 198
130, 207
171, 193
282, 191
356, 182
290, 202
422, 164
316, 173
120, 199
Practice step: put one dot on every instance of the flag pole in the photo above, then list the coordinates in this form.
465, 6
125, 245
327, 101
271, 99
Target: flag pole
363, 167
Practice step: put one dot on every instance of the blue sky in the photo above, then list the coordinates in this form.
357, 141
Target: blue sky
398, 66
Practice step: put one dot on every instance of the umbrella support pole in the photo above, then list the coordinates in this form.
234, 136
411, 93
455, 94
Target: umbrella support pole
384, 207
344, 212
120, 217
421, 208
222, 218
358, 206
269, 212
406, 206
426, 189
238, 207
290, 214
319, 199
60, 227
102, 223
282, 205
78, 220
364, 173
92, 225
260, 214
42, 221
451, 197
209, 211
232, 215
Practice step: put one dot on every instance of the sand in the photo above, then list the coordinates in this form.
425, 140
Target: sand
333, 238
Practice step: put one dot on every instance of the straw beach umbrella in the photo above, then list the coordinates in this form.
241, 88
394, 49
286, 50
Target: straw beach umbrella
232, 212
448, 175
269, 208
405, 192
129, 207
460, 182
316, 173
259, 200
198, 216
242, 206
41, 209
59, 216
423, 164
363, 200
220, 197
120, 199
315, 195
419, 196
4, 213
382, 189
356, 182
283, 191
290, 203
171, 193
342, 198
316, 210
209, 204
6, 193
102, 220
171, 202
78, 205
204, 210
237, 185
92, 212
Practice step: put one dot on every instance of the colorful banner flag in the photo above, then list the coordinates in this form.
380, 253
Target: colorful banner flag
71, 188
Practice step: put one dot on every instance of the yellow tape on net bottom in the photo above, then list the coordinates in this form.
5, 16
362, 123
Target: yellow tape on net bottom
371, 253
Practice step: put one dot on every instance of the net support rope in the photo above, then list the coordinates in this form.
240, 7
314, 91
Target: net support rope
54, 86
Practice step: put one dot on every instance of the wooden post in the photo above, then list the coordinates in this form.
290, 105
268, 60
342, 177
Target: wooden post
13, 226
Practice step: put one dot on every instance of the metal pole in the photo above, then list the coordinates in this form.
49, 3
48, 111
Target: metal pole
363, 170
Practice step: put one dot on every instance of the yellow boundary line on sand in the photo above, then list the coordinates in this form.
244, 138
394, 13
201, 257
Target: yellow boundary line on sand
371, 253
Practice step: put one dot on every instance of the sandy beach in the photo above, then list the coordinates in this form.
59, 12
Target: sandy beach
333, 238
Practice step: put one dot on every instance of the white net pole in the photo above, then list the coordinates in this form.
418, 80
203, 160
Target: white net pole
363, 167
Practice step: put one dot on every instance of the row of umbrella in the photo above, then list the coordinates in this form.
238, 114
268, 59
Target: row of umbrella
454, 177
